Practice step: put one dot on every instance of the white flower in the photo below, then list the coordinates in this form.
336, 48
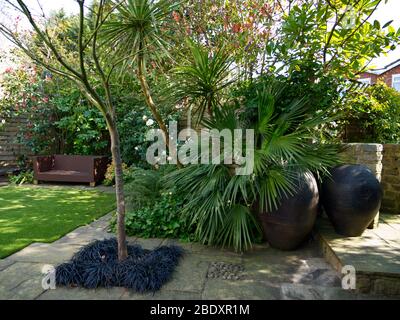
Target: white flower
3, 121
149, 122
144, 118
136, 148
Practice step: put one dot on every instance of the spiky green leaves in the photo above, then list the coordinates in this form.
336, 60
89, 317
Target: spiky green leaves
223, 206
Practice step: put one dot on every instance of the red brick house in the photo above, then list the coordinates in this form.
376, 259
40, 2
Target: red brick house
389, 74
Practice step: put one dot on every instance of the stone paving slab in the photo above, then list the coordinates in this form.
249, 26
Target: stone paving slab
46, 253
84, 235
268, 273
189, 275
163, 294
5, 263
375, 255
83, 294
290, 291
21, 280
239, 290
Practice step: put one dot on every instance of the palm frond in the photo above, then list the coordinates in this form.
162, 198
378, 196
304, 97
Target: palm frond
203, 77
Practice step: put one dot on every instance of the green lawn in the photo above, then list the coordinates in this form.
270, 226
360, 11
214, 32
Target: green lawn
34, 214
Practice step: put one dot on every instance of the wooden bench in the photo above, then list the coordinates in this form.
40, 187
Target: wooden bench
70, 168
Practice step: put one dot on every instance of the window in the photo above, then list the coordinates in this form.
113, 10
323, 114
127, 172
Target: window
396, 81
365, 80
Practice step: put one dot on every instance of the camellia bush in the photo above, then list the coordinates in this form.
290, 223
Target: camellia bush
58, 119
375, 111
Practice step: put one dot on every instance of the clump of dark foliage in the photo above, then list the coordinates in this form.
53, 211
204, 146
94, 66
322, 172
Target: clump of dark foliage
97, 265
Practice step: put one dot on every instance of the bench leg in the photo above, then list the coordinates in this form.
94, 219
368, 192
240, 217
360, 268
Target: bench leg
36, 182
92, 184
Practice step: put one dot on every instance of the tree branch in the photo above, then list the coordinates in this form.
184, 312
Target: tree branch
45, 39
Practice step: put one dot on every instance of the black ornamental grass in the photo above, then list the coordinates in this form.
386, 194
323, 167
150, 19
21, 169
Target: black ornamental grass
96, 265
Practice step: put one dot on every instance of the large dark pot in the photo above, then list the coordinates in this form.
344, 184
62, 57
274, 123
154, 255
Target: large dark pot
351, 198
288, 226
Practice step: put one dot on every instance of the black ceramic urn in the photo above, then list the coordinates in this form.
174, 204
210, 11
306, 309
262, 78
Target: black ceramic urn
351, 198
288, 226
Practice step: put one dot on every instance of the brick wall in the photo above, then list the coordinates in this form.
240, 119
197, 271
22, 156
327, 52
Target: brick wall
385, 77
391, 178
9, 148
368, 154
373, 76
384, 162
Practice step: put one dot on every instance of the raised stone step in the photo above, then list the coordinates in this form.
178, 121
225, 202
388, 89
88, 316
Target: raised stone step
375, 255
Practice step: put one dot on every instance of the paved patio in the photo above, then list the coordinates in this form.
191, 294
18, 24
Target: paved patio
268, 273
375, 255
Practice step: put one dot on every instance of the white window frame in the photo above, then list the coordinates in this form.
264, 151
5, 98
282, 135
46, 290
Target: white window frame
365, 80
394, 76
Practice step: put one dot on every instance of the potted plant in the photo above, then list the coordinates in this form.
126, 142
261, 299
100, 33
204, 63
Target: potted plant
351, 197
226, 207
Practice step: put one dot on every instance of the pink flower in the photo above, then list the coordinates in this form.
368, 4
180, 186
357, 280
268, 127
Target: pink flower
236, 27
176, 16
8, 70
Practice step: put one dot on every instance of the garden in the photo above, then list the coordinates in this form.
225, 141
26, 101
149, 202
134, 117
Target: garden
221, 124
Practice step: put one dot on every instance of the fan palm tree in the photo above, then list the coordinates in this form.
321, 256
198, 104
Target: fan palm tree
221, 204
135, 32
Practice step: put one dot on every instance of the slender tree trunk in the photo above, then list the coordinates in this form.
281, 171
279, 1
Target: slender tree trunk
119, 190
152, 106
149, 100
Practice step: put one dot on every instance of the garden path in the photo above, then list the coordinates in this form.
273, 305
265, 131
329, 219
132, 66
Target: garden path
268, 273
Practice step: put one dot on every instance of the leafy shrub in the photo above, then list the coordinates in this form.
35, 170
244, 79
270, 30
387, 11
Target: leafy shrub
144, 187
159, 219
109, 177
162, 219
22, 177
59, 119
223, 205
376, 110
132, 130
153, 211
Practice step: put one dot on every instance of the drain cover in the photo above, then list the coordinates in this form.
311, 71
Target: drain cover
226, 271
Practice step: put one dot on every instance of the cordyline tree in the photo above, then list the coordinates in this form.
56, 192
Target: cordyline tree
138, 29
84, 68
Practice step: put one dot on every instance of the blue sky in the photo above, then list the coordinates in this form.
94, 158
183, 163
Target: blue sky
384, 13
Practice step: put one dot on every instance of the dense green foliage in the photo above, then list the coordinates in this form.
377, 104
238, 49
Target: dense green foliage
58, 117
153, 211
162, 219
203, 78
282, 68
22, 177
221, 204
376, 110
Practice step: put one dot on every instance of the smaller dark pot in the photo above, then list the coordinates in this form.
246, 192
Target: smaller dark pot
351, 198
288, 226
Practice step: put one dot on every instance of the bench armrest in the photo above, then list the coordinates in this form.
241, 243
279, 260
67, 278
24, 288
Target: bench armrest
99, 168
43, 163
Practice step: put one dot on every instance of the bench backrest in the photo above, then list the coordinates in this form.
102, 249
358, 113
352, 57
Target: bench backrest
74, 163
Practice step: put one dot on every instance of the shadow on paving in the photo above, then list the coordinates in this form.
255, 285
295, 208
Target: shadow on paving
267, 273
